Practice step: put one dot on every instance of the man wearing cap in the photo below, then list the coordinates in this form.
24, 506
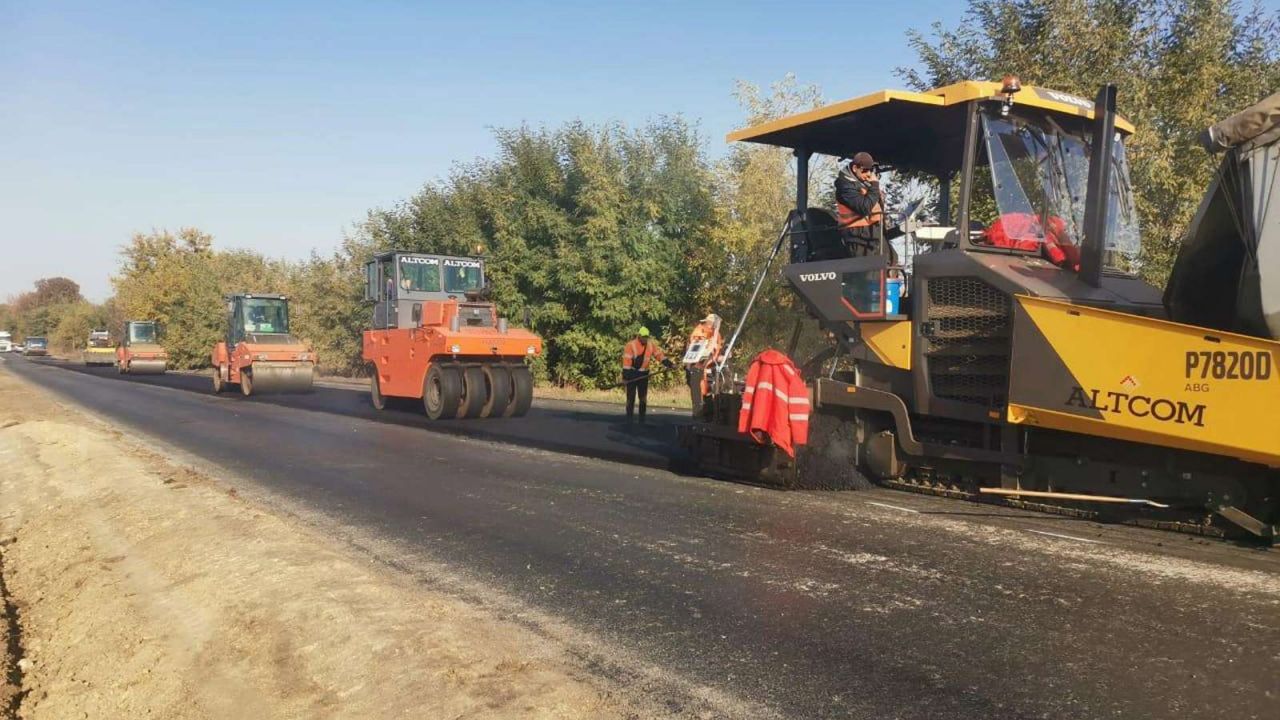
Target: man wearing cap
705, 347
636, 356
859, 204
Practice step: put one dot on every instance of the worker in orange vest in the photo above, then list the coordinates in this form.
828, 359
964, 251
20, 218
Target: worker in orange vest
637, 356
704, 350
859, 204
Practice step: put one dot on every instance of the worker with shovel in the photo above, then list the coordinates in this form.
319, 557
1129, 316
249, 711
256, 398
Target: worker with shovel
639, 352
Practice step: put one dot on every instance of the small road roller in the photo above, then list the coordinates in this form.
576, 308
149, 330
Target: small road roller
139, 352
98, 349
436, 337
258, 353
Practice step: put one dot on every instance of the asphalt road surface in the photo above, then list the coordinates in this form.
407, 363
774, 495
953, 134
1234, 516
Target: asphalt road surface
867, 605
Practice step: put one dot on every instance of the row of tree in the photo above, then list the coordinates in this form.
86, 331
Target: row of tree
592, 231
54, 309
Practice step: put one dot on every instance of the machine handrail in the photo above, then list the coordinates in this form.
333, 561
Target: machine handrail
777, 246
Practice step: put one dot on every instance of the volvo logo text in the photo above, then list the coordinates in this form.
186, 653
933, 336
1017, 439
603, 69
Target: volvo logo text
814, 277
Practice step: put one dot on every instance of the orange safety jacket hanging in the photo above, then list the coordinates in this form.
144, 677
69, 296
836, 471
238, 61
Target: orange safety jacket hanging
646, 351
775, 403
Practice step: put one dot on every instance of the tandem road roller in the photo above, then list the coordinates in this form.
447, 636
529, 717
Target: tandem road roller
139, 351
1027, 361
436, 338
258, 353
98, 349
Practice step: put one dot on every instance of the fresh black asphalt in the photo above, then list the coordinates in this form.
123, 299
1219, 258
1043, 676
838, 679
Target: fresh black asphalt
865, 605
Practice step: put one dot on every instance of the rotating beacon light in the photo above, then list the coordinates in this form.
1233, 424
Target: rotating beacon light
1009, 86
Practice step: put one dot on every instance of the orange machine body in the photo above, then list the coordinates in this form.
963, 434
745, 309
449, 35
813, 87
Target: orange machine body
243, 356
129, 357
140, 350
402, 356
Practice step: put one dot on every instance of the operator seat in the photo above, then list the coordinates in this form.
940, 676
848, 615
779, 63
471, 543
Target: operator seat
822, 236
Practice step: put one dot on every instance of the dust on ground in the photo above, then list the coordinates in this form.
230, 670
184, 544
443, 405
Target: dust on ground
144, 588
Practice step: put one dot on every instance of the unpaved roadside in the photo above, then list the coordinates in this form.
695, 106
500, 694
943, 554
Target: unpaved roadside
146, 589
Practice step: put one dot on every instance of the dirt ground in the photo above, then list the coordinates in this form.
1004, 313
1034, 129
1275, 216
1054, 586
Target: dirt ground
147, 589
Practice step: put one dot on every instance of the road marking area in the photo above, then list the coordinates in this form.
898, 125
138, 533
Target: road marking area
893, 507
1067, 537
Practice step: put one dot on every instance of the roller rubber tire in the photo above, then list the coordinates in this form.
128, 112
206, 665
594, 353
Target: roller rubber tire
441, 392
217, 381
376, 398
521, 392
246, 382
475, 392
830, 459
121, 369
498, 378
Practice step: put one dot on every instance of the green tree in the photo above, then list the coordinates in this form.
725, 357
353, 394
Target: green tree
592, 230
180, 280
72, 323
754, 193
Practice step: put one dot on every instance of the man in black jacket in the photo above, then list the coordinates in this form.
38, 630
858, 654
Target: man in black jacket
859, 204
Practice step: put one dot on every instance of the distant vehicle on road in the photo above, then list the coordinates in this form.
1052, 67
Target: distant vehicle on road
6, 341
36, 346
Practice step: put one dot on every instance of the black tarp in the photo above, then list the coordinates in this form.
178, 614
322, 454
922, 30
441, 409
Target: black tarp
1227, 275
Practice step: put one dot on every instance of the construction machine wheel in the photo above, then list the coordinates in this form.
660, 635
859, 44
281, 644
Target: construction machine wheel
521, 392
475, 392
498, 378
442, 391
831, 459
246, 382
218, 385
376, 398
121, 369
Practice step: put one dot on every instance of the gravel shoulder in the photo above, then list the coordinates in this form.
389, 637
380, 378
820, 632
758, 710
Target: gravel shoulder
145, 588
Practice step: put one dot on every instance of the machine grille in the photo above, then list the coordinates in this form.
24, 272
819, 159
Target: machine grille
969, 340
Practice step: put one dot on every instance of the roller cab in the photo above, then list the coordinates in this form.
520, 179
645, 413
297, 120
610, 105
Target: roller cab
140, 352
259, 355
438, 339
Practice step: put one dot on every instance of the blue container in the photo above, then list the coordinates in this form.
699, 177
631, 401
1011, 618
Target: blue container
893, 296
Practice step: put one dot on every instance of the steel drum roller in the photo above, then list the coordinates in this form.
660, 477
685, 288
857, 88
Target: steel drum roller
281, 377
147, 367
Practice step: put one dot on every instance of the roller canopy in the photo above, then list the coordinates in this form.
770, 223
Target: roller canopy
1227, 275
919, 131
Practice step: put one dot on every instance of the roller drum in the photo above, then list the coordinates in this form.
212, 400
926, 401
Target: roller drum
92, 358
271, 377
147, 367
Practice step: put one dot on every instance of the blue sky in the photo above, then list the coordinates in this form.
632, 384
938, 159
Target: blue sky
276, 125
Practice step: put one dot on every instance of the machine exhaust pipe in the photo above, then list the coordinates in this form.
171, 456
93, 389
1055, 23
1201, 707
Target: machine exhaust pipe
1097, 203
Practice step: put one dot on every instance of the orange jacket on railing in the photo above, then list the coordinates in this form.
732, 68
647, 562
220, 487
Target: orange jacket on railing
775, 403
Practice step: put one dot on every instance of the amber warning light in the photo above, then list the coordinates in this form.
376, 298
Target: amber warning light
1009, 85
